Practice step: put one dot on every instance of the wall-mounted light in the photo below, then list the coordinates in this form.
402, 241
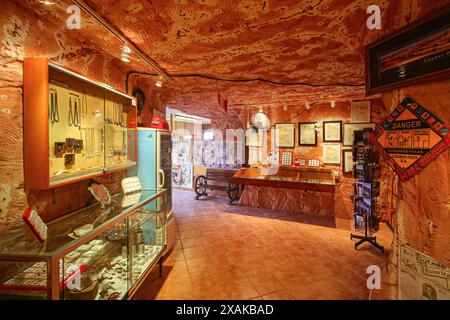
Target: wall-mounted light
208, 135
125, 56
333, 104
46, 2
158, 83
317, 127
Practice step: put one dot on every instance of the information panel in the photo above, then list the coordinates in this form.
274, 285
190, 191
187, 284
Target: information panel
411, 138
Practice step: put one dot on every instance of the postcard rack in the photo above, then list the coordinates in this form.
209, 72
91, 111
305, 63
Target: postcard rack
74, 128
366, 171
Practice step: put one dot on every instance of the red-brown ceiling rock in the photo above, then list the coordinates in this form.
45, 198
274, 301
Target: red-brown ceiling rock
315, 41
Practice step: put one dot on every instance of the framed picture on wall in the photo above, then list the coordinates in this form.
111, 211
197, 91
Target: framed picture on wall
416, 53
307, 134
347, 161
284, 135
360, 111
350, 128
331, 153
332, 131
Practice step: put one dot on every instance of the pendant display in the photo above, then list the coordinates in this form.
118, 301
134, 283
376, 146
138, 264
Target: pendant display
70, 144
60, 148
69, 160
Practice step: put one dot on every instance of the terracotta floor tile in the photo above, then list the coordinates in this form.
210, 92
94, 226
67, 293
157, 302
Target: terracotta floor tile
234, 252
191, 242
241, 289
194, 252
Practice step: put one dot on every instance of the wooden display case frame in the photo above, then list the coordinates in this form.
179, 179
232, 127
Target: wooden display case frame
36, 134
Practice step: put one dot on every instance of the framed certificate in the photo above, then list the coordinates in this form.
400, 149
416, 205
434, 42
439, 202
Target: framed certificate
285, 135
332, 153
360, 111
307, 134
332, 131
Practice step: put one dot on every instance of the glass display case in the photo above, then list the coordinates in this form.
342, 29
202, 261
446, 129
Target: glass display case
100, 253
313, 179
76, 127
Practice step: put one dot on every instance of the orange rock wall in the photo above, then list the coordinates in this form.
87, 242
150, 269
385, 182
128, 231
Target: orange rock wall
424, 201
25, 34
299, 201
291, 200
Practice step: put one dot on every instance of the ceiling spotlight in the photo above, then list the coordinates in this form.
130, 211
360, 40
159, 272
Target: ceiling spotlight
46, 2
125, 56
285, 107
307, 105
158, 83
333, 104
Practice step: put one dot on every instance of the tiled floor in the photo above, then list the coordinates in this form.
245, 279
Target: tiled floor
233, 252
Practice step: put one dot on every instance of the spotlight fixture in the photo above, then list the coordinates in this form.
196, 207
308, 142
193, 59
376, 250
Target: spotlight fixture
46, 2
158, 83
285, 107
307, 105
333, 104
125, 56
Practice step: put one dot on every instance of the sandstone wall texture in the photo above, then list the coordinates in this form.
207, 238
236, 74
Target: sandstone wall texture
342, 206
298, 201
424, 201
23, 34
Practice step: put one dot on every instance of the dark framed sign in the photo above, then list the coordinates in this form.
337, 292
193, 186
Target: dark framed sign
307, 134
411, 138
416, 53
332, 131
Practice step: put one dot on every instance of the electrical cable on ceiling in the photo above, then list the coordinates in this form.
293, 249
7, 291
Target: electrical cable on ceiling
195, 75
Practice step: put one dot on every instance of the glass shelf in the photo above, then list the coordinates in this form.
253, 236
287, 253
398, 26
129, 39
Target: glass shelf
109, 261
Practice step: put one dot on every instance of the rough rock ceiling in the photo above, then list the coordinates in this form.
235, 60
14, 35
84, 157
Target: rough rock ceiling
311, 41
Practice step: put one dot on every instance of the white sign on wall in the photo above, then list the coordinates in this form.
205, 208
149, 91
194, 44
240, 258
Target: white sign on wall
420, 277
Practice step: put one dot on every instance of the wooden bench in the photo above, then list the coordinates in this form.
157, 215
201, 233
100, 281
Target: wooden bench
217, 179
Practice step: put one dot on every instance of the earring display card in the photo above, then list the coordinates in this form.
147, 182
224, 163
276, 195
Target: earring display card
69, 160
70, 144
286, 158
60, 148
313, 163
78, 146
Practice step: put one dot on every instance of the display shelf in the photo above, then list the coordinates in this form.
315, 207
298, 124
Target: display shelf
74, 128
287, 177
105, 254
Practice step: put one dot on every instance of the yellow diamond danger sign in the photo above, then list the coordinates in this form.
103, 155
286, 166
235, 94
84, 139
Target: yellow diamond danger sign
411, 137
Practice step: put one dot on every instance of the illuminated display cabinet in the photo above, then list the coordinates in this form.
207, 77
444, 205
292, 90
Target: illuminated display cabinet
74, 128
108, 261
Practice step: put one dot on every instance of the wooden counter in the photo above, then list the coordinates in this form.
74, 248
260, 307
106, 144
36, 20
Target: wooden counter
312, 179
294, 189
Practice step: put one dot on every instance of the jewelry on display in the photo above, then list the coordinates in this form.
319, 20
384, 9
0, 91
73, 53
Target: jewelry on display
84, 105
54, 112
70, 143
69, 160
78, 146
59, 148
